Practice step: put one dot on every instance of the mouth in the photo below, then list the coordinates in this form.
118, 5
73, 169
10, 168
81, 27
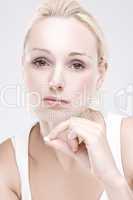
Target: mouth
53, 100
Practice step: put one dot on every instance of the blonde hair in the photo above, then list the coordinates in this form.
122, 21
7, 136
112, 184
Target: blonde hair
71, 8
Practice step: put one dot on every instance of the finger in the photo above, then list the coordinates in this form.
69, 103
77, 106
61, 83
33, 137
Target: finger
80, 156
83, 132
83, 153
73, 140
93, 115
58, 129
73, 143
59, 145
97, 117
84, 122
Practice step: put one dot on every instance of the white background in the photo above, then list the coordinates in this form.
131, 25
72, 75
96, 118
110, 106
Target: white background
115, 17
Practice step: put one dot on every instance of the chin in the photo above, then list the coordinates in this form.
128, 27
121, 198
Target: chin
45, 113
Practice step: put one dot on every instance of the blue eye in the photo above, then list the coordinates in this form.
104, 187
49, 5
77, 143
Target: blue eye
40, 62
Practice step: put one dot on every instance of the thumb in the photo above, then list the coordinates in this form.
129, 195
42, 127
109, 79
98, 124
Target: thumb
57, 130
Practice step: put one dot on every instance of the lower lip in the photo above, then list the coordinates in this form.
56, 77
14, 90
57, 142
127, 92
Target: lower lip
54, 103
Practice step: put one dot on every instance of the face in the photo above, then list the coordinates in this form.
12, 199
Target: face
60, 60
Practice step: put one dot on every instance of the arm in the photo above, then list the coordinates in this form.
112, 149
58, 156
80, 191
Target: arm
127, 148
122, 188
101, 163
9, 177
7, 193
119, 189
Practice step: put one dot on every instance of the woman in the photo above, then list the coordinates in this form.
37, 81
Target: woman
65, 155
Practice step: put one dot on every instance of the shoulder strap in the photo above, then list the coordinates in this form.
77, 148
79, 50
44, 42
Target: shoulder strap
20, 144
113, 135
113, 124
104, 196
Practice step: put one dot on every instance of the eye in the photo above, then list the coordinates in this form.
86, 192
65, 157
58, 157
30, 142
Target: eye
78, 65
40, 62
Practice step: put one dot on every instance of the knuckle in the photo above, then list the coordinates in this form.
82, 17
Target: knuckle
100, 128
97, 137
71, 135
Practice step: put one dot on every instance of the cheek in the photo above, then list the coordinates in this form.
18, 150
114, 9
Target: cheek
86, 83
35, 81
36, 84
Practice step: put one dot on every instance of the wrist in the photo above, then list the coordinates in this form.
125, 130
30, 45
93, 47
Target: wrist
117, 181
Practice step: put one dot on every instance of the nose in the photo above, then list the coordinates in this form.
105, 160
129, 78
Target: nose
56, 86
57, 83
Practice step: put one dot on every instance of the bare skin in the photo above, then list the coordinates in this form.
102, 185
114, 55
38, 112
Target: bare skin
54, 175
126, 146
65, 178
48, 174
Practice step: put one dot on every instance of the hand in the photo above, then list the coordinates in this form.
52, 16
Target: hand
86, 142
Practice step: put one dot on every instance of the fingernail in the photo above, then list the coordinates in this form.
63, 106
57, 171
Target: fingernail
46, 139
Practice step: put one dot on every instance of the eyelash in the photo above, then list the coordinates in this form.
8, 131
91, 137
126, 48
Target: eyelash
40, 59
82, 65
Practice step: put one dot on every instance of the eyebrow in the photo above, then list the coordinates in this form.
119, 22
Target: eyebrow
70, 54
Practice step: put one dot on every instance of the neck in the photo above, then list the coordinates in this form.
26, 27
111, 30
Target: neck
50, 119
48, 123
66, 161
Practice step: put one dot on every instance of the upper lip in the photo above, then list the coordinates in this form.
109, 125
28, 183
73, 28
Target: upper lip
55, 99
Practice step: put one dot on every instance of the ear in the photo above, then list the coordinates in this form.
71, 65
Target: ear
102, 68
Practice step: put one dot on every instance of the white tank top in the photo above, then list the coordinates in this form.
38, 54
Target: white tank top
20, 144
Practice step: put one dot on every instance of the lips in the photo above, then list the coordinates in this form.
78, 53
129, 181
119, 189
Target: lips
54, 99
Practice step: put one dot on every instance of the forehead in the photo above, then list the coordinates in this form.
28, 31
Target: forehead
62, 35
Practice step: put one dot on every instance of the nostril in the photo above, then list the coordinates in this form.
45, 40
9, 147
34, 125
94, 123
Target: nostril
60, 87
52, 87
57, 87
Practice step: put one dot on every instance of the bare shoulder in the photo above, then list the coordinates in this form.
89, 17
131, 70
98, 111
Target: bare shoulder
127, 130
127, 125
9, 175
127, 147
